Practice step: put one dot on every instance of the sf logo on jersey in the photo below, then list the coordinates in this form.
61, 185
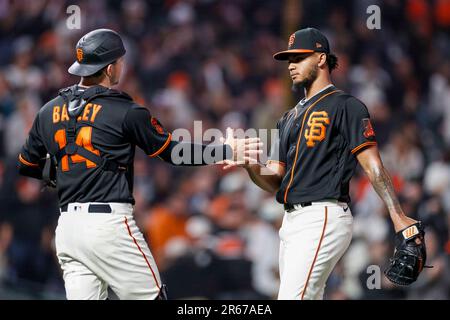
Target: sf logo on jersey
316, 127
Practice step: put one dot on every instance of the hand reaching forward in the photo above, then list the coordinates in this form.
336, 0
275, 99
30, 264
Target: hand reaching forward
245, 150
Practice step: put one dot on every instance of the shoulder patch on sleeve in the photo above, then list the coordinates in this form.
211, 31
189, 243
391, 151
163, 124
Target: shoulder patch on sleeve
368, 129
155, 123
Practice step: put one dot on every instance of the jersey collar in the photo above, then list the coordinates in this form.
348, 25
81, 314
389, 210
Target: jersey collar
305, 101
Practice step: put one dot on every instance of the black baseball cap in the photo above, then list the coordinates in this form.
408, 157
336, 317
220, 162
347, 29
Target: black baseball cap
307, 40
95, 50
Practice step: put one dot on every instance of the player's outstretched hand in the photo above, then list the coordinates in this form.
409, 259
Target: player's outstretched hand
245, 150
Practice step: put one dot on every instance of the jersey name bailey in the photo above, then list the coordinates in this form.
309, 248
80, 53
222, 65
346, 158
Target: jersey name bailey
89, 113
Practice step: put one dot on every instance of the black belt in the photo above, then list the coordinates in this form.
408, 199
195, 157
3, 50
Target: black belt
93, 208
290, 207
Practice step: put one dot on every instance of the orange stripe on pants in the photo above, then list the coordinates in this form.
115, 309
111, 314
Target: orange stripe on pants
317, 252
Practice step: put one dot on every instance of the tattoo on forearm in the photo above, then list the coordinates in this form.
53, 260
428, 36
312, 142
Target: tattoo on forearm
383, 186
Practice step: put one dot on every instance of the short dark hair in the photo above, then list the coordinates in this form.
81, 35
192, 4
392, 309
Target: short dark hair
100, 72
332, 61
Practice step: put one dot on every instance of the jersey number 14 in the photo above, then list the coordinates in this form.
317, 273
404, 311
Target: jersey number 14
83, 140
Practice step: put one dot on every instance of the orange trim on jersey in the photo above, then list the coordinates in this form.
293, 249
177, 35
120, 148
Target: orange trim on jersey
142, 252
277, 161
25, 162
163, 147
317, 252
298, 142
365, 144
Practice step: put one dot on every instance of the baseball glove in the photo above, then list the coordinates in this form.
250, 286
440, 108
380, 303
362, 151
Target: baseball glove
409, 257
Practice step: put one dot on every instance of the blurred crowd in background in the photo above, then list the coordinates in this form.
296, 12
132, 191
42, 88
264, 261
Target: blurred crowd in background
213, 234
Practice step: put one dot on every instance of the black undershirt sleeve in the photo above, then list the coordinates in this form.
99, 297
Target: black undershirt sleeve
193, 154
148, 134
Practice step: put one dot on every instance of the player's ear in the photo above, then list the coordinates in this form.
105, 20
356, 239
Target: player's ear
109, 70
322, 60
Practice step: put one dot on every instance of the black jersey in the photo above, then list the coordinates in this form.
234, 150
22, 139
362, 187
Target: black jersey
318, 142
109, 126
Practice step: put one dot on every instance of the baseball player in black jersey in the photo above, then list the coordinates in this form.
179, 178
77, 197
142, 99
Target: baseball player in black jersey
320, 142
90, 132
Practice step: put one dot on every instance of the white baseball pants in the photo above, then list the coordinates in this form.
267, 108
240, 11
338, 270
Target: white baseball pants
101, 250
312, 240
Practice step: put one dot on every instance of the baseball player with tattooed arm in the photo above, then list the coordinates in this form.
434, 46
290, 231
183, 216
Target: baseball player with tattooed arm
89, 132
320, 142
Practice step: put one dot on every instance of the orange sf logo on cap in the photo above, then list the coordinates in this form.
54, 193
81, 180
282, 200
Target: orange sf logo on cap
79, 54
291, 40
